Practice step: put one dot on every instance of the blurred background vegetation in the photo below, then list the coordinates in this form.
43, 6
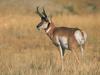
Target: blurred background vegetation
54, 6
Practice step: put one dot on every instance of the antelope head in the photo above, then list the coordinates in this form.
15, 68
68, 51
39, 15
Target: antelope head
44, 20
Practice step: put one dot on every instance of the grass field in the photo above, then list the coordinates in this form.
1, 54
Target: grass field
26, 51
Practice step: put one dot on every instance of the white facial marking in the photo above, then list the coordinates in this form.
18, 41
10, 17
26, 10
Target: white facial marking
45, 24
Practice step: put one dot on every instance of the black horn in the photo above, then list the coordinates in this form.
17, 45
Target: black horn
44, 13
39, 12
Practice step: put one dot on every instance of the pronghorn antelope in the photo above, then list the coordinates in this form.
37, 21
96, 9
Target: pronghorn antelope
62, 37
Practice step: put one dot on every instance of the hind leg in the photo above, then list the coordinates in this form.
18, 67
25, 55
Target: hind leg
81, 48
80, 38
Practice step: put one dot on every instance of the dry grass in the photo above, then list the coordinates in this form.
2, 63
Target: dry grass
25, 51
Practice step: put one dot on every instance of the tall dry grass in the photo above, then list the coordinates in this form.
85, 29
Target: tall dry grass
26, 51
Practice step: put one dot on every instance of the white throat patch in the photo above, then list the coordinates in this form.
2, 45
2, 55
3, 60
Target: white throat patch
48, 29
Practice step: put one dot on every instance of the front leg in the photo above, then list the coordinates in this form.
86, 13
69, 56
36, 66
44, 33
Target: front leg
59, 45
61, 51
61, 54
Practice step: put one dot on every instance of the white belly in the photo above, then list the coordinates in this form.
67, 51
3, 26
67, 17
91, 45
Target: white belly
64, 42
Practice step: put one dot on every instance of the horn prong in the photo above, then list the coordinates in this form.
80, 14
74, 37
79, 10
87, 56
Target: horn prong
44, 13
39, 12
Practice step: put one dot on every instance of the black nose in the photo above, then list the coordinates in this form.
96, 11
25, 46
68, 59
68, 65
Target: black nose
37, 27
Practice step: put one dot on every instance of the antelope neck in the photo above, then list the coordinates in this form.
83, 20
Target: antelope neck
49, 29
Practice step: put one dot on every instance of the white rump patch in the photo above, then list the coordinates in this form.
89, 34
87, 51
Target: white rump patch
85, 35
79, 37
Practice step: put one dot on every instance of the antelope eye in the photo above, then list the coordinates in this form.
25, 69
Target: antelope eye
46, 19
